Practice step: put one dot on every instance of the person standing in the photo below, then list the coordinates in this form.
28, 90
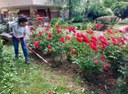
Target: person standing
19, 31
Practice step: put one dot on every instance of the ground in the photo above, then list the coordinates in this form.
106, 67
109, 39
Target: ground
41, 79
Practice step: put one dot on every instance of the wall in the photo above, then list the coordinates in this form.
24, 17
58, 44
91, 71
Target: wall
9, 3
40, 2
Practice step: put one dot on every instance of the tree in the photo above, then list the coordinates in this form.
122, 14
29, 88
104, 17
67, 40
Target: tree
120, 9
67, 4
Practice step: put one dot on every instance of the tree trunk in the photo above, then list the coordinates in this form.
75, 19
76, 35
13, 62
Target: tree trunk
70, 9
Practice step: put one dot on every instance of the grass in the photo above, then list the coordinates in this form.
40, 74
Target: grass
41, 79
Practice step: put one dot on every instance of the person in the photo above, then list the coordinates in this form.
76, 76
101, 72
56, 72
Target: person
19, 30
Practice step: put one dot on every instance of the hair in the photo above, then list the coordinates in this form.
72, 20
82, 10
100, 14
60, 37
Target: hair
22, 20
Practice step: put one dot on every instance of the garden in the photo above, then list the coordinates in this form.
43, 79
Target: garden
86, 54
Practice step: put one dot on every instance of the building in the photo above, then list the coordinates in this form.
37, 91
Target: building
29, 8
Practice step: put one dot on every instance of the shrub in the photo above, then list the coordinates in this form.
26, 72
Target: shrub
78, 19
55, 21
107, 21
115, 57
120, 9
82, 26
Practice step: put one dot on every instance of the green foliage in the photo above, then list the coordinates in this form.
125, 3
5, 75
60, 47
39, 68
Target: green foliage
78, 19
1, 47
98, 10
82, 26
109, 3
8, 74
55, 21
122, 82
120, 9
115, 56
84, 57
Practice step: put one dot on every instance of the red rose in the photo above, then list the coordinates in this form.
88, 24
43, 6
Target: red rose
49, 34
105, 66
71, 29
50, 51
96, 63
110, 31
68, 37
49, 92
48, 39
94, 47
73, 51
37, 24
49, 46
102, 58
58, 31
98, 26
90, 31
36, 44
31, 28
80, 39
62, 39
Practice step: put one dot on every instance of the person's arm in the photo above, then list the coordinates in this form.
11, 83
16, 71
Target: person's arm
26, 32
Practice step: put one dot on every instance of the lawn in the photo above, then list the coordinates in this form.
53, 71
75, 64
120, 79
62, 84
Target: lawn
41, 79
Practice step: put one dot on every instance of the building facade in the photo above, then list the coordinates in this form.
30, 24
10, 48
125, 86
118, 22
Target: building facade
29, 8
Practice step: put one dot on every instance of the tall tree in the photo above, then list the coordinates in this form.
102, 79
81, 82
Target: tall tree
68, 4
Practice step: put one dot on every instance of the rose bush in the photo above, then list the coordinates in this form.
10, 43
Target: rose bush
92, 52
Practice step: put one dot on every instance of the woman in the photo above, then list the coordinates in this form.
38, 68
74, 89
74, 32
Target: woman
20, 29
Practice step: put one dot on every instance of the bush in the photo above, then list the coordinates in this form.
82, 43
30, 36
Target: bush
120, 9
115, 57
78, 19
82, 26
107, 20
55, 21
98, 10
